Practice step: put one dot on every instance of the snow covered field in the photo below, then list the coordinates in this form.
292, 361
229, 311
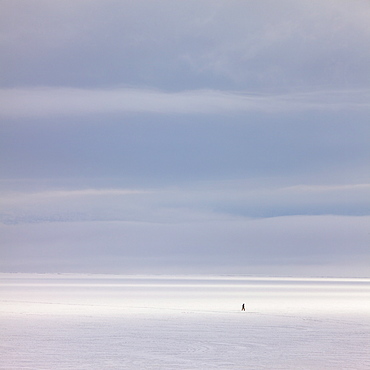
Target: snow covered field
118, 322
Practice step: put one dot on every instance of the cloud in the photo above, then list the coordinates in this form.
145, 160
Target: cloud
62, 194
236, 200
223, 45
47, 102
184, 134
232, 246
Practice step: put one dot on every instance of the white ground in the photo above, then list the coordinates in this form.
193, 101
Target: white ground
87, 322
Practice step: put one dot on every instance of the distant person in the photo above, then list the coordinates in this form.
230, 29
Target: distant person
243, 307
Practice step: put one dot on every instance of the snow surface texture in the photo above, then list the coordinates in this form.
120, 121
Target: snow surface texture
116, 322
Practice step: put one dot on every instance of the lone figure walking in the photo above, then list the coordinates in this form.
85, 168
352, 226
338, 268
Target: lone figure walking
243, 307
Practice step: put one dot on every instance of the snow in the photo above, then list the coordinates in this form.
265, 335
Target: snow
125, 322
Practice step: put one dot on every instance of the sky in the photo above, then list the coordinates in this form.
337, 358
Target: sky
185, 137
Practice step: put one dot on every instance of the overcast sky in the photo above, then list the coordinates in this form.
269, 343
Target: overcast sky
185, 136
